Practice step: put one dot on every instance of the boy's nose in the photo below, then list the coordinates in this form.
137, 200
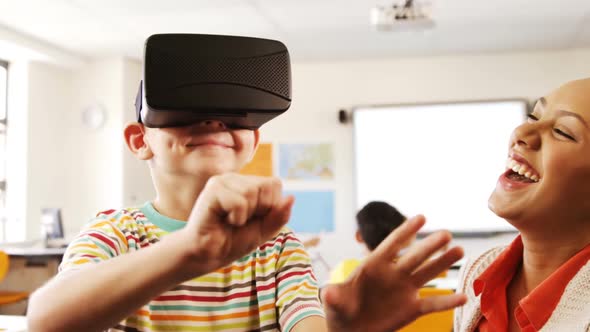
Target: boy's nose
213, 124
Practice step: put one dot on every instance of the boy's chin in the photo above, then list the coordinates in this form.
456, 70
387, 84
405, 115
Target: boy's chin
210, 170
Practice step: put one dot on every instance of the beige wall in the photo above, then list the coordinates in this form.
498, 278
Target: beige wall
47, 146
95, 176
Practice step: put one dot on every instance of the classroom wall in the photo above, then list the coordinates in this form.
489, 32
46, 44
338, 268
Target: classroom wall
95, 176
46, 146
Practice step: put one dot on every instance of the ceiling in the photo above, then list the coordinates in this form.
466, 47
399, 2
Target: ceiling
312, 29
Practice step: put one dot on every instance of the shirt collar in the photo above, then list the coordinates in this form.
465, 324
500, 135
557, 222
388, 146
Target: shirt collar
165, 223
501, 270
542, 301
536, 308
492, 284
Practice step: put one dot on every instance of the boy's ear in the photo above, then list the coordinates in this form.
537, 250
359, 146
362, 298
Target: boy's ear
256, 139
358, 237
135, 139
256, 142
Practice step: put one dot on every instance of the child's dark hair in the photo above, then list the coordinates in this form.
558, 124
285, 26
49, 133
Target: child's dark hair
376, 220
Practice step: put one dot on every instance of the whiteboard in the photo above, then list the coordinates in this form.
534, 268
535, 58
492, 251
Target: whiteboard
440, 160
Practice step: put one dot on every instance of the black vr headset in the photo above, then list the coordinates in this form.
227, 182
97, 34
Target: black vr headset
241, 81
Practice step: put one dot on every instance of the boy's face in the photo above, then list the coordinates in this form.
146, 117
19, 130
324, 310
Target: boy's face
203, 149
554, 144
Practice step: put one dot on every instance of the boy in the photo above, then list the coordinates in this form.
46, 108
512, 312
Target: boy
210, 252
375, 221
146, 269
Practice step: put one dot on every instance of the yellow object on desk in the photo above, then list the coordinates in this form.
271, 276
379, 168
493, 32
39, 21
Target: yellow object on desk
8, 297
434, 322
343, 270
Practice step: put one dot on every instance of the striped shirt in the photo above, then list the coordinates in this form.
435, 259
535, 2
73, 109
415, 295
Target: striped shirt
270, 289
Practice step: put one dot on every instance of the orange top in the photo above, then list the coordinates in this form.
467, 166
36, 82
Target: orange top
534, 310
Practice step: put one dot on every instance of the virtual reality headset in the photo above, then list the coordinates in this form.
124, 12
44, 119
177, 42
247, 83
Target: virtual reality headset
243, 82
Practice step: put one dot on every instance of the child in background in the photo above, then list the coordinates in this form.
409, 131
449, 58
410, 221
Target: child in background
375, 221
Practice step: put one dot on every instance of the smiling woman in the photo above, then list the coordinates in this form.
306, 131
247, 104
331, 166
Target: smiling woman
540, 281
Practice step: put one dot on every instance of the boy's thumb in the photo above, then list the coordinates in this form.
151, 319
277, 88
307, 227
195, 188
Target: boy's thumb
282, 212
331, 298
285, 207
278, 216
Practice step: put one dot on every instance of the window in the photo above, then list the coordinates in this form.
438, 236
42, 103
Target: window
3, 106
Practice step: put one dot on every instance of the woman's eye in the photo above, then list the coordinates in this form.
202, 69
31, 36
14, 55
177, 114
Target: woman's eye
532, 117
560, 132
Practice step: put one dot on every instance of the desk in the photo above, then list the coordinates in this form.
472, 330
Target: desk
31, 266
13, 323
34, 249
34, 252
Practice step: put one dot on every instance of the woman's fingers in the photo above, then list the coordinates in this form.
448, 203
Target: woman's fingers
388, 249
436, 266
420, 252
440, 303
339, 302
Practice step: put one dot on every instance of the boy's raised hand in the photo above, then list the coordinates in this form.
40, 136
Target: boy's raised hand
382, 295
233, 215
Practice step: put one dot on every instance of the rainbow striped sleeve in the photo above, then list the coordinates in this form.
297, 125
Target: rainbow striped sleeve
99, 240
297, 287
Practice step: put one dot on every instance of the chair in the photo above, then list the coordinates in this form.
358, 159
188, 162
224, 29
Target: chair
9, 297
434, 322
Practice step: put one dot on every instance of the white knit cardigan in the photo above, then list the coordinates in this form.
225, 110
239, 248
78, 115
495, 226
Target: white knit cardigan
572, 313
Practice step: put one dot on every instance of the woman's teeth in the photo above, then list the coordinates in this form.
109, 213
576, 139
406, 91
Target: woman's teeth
522, 169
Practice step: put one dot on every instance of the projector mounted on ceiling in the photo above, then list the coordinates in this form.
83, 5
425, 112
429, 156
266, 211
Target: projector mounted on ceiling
401, 17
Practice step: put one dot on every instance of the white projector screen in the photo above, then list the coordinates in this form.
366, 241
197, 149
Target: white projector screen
440, 160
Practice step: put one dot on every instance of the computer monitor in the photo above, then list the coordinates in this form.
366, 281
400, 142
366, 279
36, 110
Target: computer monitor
51, 225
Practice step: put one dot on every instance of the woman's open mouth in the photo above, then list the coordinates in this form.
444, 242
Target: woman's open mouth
520, 171
519, 174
